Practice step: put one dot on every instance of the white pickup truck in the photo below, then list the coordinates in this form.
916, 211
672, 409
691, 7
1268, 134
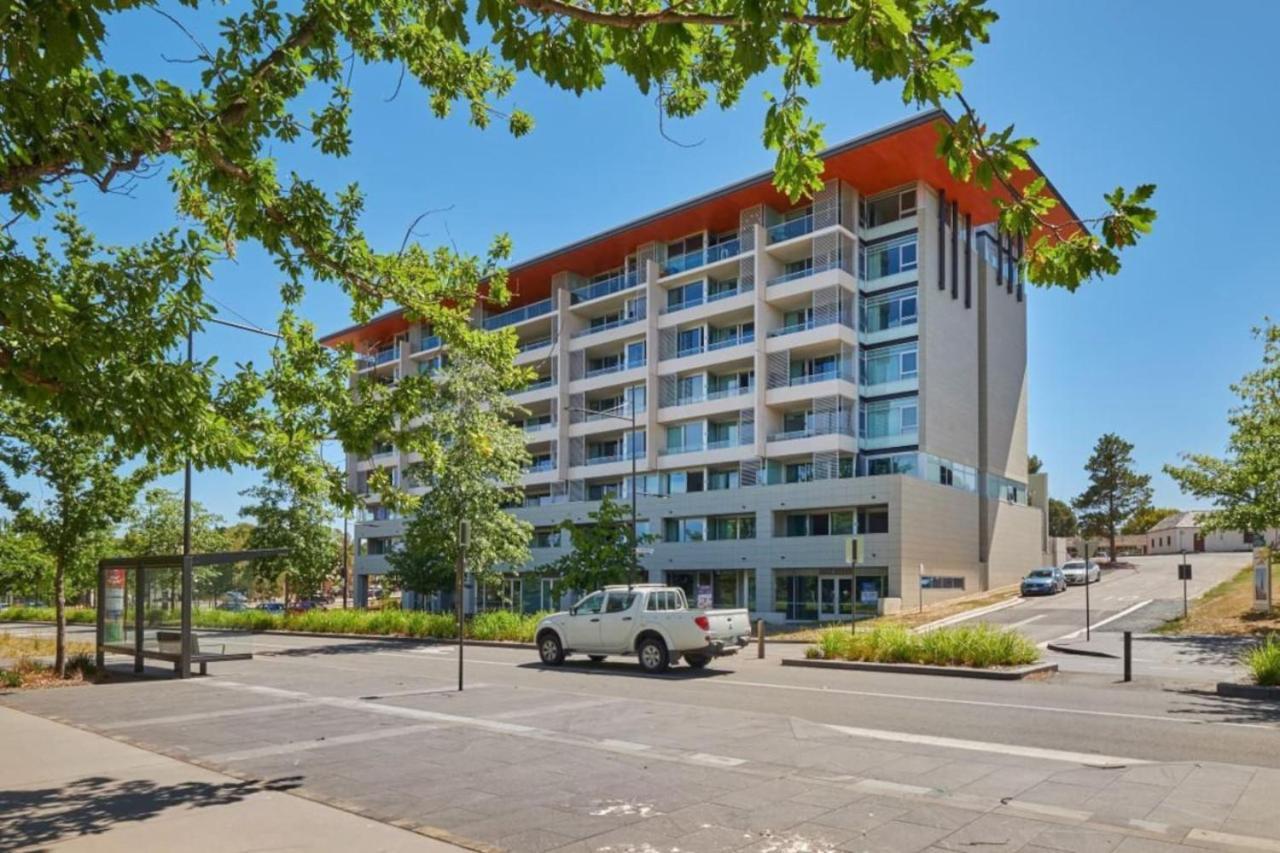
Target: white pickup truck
651, 621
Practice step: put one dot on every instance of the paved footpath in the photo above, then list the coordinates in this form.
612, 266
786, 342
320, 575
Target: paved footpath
65, 789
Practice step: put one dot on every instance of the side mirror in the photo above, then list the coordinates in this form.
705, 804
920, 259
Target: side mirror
573, 611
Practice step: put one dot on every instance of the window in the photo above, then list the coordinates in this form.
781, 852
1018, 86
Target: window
684, 529
691, 389
590, 605
666, 599
722, 480
890, 364
619, 602
798, 472
941, 582
721, 289
873, 520
597, 491
681, 482
835, 523
689, 341
889, 311
546, 538
732, 527
685, 297
898, 463
723, 434
635, 354
888, 418
685, 437
890, 207
887, 258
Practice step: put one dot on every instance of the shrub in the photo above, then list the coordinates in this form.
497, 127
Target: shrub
75, 615
979, 646
9, 678
1263, 661
505, 626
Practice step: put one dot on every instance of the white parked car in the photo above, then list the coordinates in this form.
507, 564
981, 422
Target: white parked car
651, 621
1075, 572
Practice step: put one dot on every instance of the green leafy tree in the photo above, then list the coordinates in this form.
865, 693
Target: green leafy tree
154, 527
1244, 485
1116, 491
1062, 521
1144, 518
1034, 464
284, 518
602, 549
86, 497
87, 328
26, 569
481, 458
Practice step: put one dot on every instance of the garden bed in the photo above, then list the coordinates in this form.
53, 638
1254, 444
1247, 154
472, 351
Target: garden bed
1016, 673
974, 647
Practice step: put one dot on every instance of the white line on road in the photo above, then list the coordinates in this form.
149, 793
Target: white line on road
1088, 758
1096, 625
1027, 621
968, 614
320, 743
197, 717
1051, 709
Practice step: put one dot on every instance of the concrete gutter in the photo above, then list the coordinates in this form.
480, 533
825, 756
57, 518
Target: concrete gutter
1235, 690
1035, 670
1068, 649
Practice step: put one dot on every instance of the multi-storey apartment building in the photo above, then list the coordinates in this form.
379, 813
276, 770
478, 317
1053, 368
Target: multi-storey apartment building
854, 364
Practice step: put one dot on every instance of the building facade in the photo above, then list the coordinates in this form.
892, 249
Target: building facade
854, 364
1181, 532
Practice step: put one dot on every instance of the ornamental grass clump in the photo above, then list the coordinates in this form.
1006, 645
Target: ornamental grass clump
1263, 661
979, 646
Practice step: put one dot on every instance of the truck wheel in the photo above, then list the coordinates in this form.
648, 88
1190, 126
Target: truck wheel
550, 650
596, 658
653, 655
697, 661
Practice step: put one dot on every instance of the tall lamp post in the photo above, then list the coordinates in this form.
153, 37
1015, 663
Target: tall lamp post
634, 568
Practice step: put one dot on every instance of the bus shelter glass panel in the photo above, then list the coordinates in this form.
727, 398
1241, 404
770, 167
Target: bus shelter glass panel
118, 606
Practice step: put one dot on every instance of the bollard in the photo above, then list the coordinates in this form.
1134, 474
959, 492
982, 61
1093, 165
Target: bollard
760, 638
1128, 656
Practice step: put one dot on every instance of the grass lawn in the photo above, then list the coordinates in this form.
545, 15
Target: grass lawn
28, 662
907, 619
1227, 609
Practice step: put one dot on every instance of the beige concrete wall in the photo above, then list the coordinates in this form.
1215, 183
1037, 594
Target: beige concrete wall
948, 351
939, 528
1016, 545
1006, 379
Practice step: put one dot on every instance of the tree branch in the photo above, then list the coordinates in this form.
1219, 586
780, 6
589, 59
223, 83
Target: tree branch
669, 15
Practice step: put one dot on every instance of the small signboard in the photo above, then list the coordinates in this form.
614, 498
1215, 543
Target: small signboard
853, 549
1184, 571
704, 596
1262, 579
868, 595
643, 552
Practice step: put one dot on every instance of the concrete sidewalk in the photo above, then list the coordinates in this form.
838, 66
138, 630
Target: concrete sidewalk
67, 789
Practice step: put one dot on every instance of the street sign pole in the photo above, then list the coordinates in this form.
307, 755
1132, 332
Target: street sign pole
852, 553
920, 587
464, 539
1087, 617
1184, 575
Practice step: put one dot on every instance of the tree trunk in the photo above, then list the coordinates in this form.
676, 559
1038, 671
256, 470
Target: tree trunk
60, 620
1111, 556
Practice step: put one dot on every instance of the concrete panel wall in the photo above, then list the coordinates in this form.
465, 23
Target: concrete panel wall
1016, 544
939, 528
1005, 377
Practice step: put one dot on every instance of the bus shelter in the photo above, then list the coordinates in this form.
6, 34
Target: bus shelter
146, 606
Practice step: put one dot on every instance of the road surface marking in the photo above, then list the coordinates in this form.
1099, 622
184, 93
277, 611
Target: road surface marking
320, 743
1086, 758
1096, 625
204, 715
1051, 811
981, 704
1248, 842
969, 614
1027, 621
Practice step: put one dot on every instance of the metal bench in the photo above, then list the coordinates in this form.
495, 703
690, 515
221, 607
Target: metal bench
170, 649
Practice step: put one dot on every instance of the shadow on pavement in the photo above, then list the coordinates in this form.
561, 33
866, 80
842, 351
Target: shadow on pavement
1225, 709
92, 805
619, 669
353, 647
1200, 650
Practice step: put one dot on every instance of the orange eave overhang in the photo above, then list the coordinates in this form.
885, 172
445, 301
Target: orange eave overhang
897, 154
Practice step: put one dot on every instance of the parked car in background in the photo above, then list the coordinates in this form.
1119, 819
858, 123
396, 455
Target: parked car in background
1076, 572
271, 606
652, 621
1048, 580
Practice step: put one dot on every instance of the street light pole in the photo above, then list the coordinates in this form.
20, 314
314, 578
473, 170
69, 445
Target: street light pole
1087, 618
635, 493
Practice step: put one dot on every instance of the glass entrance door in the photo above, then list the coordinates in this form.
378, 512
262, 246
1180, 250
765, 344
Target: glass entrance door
835, 597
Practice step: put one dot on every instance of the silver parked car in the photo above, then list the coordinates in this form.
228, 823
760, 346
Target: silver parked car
1076, 572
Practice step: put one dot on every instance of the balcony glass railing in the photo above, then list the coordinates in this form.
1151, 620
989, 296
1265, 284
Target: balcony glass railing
605, 459
689, 302
430, 342
617, 413
791, 228
617, 367
604, 327
518, 315
681, 448
808, 432
810, 378
538, 426
716, 394
690, 350
541, 466
726, 293
544, 382
534, 344
701, 257
621, 281
744, 338
806, 326
383, 356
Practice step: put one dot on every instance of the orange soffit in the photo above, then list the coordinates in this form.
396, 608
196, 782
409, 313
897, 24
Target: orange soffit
895, 155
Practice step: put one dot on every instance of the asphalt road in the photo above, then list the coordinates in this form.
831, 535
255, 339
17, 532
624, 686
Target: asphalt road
532, 758
1147, 594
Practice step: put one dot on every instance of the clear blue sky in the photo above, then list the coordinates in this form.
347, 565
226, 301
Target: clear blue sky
1117, 93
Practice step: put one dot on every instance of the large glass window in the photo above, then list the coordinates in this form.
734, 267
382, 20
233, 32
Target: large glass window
888, 258
890, 311
689, 341
635, 354
891, 207
691, 389
686, 436
722, 480
732, 527
685, 529
685, 297
888, 418
890, 364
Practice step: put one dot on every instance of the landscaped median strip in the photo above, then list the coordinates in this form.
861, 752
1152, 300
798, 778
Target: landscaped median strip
1006, 674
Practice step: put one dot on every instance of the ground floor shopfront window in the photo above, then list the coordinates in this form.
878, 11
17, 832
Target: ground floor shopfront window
816, 595
719, 588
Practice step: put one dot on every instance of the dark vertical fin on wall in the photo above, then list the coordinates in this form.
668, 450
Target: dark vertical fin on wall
1019, 259
1006, 259
955, 250
942, 236
999, 241
968, 260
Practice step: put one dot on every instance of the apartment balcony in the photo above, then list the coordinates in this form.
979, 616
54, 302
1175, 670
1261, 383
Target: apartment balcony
810, 333
605, 287
794, 289
537, 432
826, 384
603, 333
708, 404
811, 440
889, 333
378, 358
792, 241
740, 346
890, 387
595, 423
709, 453
690, 265
609, 465
735, 301
427, 344
790, 229
531, 352
889, 264
622, 373
897, 439
519, 315
541, 473
541, 389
